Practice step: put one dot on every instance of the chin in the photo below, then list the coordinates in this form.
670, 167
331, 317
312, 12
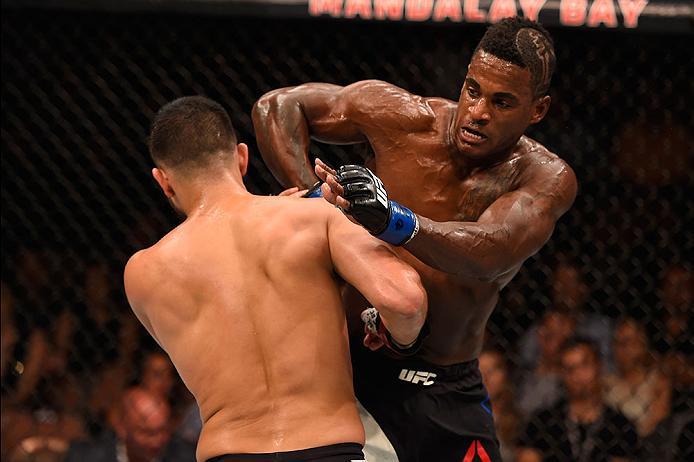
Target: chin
472, 151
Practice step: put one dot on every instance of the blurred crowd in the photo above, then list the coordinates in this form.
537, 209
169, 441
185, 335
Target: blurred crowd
82, 380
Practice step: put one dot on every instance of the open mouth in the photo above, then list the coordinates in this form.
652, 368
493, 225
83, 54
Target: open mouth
472, 136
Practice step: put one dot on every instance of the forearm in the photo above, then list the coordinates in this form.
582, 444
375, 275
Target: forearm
463, 248
283, 138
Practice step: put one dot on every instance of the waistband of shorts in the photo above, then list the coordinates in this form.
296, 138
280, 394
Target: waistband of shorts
468, 370
339, 449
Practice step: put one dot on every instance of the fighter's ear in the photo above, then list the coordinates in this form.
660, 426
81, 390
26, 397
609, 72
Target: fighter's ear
163, 180
242, 153
540, 108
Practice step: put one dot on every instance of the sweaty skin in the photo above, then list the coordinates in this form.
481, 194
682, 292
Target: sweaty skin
487, 197
244, 297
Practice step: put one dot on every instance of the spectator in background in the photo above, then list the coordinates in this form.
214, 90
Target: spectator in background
8, 364
142, 434
26, 431
638, 389
158, 375
45, 331
10, 334
676, 302
569, 293
104, 344
679, 367
38, 394
495, 374
582, 428
541, 386
105, 334
673, 438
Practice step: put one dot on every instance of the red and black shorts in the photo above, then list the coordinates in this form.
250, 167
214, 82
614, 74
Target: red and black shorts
428, 412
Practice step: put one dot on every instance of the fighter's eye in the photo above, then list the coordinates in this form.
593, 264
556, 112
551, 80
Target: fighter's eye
472, 92
503, 104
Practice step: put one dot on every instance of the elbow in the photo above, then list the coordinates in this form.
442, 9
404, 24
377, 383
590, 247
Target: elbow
407, 298
261, 108
488, 256
490, 271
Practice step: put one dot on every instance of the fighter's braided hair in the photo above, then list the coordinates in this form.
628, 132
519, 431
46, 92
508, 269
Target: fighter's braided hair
524, 43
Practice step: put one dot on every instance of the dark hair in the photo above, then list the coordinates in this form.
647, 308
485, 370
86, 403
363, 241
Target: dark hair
524, 43
189, 132
580, 341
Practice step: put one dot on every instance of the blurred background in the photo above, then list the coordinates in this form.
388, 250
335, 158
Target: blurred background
82, 80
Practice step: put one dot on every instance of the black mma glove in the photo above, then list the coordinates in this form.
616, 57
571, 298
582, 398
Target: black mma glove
370, 207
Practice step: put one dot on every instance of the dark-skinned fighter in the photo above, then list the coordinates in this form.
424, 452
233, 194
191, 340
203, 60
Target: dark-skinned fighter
462, 195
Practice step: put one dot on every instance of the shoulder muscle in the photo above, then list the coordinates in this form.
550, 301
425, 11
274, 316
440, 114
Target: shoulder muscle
381, 105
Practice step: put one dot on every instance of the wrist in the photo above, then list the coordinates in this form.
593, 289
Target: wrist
315, 190
401, 227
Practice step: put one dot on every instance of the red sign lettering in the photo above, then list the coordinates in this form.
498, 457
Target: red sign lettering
602, 11
501, 9
358, 7
448, 9
572, 12
472, 11
631, 10
531, 8
418, 10
319, 7
388, 9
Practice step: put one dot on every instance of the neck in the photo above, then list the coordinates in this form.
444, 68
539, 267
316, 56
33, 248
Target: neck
585, 409
136, 458
633, 374
202, 195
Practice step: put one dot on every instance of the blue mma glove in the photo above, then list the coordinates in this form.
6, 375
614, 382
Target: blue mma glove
370, 207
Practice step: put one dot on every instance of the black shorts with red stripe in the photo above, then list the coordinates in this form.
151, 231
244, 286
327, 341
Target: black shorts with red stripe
428, 412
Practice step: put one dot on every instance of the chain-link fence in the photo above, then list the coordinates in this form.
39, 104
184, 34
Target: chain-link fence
79, 91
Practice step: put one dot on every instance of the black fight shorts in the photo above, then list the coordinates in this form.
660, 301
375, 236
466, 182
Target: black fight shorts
342, 452
429, 413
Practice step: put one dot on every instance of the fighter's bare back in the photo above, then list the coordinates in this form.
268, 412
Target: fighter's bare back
244, 300
421, 167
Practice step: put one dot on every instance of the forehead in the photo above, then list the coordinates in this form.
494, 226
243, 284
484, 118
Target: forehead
628, 329
148, 417
496, 75
580, 354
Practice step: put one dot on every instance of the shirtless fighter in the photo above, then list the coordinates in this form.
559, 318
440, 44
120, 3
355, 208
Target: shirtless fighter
243, 295
478, 198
